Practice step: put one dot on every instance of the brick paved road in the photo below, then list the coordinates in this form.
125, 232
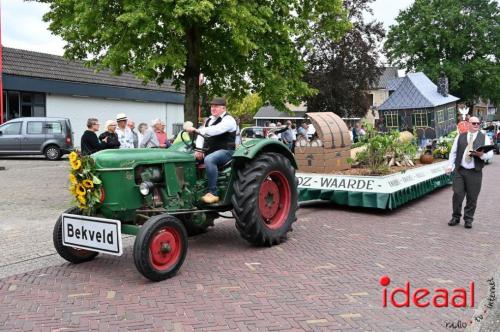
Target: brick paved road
324, 278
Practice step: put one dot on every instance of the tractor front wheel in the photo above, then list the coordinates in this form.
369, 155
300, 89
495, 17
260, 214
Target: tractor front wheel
71, 254
160, 247
265, 199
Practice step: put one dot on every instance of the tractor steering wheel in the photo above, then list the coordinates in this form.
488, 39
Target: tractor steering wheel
190, 145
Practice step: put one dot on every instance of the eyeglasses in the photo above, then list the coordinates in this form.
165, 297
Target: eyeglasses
475, 123
96, 124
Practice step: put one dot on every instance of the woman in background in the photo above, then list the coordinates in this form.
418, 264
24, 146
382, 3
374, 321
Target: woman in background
112, 141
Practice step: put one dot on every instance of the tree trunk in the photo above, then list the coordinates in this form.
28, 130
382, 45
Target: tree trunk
192, 74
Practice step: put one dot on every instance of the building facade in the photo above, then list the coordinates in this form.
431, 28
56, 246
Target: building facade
418, 104
38, 84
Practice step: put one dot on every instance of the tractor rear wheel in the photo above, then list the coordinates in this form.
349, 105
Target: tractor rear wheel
71, 254
160, 247
265, 199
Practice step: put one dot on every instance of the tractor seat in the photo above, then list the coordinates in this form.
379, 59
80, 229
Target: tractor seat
221, 168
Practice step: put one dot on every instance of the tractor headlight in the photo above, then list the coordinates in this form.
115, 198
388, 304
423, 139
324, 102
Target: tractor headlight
145, 187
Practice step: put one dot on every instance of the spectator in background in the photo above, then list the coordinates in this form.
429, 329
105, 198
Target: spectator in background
89, 142
267, 124
238, 133
140, 132
124, 133
184, 135
311, 131
109, 137
294, 136
302, 131
149, 139
278, 132
271, 133
287, 136
161, 135
131, 125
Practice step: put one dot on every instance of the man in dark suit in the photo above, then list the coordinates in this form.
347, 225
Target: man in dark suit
468, 165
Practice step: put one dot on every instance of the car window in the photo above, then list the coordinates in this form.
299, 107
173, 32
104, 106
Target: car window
34, 127
13, 128
54, 128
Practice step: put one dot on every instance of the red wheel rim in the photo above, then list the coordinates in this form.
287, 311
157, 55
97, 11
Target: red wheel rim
274, 199
165, 248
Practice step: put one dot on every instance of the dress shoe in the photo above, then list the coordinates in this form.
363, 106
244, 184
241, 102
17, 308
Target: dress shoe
453, 222
468, 224
210, 198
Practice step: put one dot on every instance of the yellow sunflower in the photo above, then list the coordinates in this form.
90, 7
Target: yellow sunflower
72, 178
80, 190
88, 184
73, 156
75, 165
72, 189
81, 199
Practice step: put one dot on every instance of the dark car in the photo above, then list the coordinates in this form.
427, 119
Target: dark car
51, 137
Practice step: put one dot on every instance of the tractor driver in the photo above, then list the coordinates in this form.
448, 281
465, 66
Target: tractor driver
220, 130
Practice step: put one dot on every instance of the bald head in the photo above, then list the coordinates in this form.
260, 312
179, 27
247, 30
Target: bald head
474, 124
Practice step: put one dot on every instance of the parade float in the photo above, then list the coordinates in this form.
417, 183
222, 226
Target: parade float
384, 171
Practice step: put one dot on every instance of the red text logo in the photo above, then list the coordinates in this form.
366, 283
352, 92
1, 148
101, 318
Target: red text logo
423, 297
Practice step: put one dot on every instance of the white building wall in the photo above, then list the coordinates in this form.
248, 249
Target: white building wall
175, 114
79, 109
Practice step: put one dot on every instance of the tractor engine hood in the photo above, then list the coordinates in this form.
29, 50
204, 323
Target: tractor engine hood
130, 158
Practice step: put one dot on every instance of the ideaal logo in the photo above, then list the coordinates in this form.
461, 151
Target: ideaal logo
423, 297
439, 298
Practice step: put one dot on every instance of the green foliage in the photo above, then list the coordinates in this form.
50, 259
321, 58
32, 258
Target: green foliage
459, 37
342, 71
444, 145
246, 108
377, 147
380, 146
238, 45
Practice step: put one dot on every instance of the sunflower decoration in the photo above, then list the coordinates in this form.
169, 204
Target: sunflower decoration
85, 186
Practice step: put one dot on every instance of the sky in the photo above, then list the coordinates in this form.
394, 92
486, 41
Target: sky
22, 25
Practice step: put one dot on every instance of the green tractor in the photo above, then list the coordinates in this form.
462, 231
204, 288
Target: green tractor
155, 194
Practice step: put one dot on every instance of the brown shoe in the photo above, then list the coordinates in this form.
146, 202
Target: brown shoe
210, 198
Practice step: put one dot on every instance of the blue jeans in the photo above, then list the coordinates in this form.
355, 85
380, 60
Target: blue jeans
212, 162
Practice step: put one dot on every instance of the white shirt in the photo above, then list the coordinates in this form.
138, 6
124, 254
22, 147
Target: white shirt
125, 137
310, 129
227, 124
467, 164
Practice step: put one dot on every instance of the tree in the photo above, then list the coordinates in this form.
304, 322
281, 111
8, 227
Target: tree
458, 37
343, 70
238, 45
246, 108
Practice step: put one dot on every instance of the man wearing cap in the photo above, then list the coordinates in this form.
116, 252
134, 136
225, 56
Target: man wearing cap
124, 133
468, 165
220, 131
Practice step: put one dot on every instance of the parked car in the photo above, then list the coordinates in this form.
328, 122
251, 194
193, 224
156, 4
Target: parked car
51, 137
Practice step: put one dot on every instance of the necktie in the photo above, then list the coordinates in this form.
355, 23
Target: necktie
468, 158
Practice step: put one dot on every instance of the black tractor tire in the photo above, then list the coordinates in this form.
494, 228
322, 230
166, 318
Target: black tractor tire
73, 255
193, 228
52, 152
160, 247
265, 199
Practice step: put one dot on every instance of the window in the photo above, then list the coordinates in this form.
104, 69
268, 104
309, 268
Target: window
440, 116
13, 106
26, 110
420, 119
26, 104
11, 128
35, 128
54, 128
391, 119
451, 114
